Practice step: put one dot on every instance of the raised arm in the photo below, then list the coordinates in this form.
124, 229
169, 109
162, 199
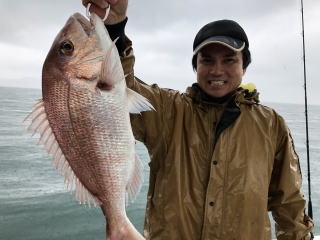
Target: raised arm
148, 126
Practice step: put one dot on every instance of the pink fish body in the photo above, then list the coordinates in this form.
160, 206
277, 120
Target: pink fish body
83, 119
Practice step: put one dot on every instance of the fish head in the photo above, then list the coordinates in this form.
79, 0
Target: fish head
77, 53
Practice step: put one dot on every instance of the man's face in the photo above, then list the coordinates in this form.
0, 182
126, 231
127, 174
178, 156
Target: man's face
219, 70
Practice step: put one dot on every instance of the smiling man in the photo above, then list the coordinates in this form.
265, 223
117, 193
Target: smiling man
219, 159
221, 55
219, 70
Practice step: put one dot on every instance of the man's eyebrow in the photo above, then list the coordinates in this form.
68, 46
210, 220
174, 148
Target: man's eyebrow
232, 54
204, 55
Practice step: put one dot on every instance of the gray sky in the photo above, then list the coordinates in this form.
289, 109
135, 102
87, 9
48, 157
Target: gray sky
162, 33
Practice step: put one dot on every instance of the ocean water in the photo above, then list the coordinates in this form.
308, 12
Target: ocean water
34, 204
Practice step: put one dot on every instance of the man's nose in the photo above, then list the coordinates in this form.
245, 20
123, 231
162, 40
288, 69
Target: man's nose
216, 69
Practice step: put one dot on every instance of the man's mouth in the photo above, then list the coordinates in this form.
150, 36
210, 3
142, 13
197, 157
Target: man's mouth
216, 83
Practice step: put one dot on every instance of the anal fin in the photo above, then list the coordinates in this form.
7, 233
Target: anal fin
136, 179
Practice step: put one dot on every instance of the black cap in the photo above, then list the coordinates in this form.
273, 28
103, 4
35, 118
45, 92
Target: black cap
225, 32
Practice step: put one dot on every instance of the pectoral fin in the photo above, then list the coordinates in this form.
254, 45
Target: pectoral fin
137, 103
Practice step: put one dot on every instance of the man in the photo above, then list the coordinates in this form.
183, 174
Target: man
219, 160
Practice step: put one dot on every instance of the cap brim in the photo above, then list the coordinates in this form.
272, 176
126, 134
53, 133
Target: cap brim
232, 43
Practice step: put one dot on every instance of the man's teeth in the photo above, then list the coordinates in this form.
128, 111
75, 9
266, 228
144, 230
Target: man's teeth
216, 82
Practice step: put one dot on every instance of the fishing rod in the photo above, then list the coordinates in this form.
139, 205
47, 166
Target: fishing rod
310, 212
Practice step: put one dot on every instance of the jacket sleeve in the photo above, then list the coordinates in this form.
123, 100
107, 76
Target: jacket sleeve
285, 198
148, 127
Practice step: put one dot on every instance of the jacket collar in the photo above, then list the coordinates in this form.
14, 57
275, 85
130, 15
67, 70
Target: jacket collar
239, 96
231, 104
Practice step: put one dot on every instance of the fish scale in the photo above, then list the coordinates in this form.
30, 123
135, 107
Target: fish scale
58, 114
111, 139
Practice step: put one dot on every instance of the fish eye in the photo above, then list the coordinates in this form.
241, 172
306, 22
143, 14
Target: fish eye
66, 47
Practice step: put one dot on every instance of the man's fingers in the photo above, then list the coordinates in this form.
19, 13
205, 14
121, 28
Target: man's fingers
117, 11
101, 12
113, 2
85, 2
100, 3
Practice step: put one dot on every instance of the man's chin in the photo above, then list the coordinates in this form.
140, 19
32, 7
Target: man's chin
215, 93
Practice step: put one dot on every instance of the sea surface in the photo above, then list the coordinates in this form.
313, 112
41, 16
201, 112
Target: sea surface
34, 203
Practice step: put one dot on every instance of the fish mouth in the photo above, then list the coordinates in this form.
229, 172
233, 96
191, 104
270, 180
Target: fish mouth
93, 30
84, 23
89, 28
101, 36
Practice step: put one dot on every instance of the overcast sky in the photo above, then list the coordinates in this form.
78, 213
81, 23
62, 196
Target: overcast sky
162, 33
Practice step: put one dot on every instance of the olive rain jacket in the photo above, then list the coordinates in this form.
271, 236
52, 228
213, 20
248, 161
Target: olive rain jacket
217, 169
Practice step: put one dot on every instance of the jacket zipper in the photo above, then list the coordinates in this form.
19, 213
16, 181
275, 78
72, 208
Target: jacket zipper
211, 151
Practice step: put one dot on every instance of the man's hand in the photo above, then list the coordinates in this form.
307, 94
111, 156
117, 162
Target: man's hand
118, 9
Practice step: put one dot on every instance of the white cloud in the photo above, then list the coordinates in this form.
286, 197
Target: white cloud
20, 66
163, 33
162, 57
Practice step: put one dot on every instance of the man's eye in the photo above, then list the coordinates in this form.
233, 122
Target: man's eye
206, 60
230, 60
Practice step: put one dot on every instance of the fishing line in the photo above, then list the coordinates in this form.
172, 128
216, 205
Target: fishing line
310, 212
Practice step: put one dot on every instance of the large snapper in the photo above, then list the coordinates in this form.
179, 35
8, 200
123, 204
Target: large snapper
83, 119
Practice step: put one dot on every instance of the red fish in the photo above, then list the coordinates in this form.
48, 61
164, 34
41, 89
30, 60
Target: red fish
83, 120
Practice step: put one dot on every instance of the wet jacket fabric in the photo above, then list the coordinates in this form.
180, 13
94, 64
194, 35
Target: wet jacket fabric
217, 169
